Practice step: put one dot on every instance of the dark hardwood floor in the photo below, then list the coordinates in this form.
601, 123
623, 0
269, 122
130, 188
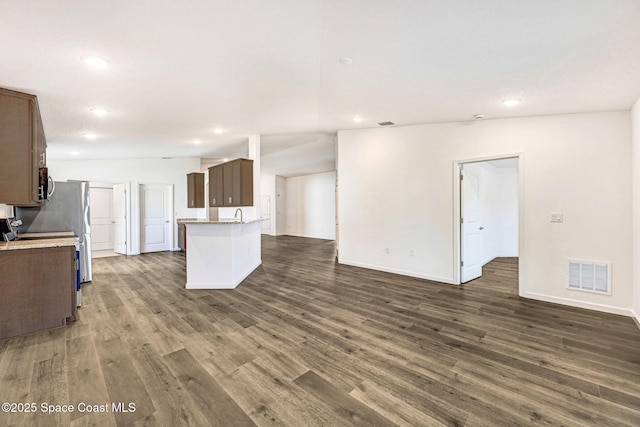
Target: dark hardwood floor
307, 342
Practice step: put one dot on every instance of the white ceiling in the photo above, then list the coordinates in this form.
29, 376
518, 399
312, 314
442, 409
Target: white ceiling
180, 69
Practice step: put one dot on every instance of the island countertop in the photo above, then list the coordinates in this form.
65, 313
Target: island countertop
224, 222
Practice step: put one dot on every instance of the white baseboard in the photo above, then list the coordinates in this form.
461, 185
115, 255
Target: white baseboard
447, 280
636, 317
531, 295
580, 304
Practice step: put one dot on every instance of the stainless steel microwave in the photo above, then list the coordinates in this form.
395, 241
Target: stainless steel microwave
46, 185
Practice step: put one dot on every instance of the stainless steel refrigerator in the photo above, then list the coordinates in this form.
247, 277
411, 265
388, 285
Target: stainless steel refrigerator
66, 210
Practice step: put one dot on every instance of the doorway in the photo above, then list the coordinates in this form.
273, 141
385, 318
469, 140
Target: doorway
156, 219
107, 219
101, 216
489, 213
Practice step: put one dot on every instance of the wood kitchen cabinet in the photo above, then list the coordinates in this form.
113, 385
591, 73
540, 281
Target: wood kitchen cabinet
231, 184
195, 190
216, 188
182, 237
23, 146
38, 288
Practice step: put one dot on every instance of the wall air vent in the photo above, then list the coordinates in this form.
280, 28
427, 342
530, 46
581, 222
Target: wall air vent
387, 123
590, 276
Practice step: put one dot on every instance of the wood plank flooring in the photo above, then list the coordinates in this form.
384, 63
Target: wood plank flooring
307, 342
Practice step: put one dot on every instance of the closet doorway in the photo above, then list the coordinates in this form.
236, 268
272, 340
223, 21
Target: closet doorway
489, 212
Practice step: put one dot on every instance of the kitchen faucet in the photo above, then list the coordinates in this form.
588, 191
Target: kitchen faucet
235, 216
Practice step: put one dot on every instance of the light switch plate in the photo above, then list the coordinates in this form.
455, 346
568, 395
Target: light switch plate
556, 217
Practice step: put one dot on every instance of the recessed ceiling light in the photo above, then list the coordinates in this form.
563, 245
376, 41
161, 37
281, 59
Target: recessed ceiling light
218, 131
197, 142
511, 102
95, 61
357, 119
99, 111
225, 159
74, 153
90, 135
345, 61
479, 116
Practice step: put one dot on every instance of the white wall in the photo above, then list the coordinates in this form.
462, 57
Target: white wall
397, 191
135, 171
498, 197
635, 113
499, 204
506, 205
311, 206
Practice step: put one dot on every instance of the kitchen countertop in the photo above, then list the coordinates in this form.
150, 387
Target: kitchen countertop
50, 235
204, 221
38, 243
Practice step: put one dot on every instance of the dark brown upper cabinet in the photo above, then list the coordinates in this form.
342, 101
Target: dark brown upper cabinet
195, 190
23, 173
216, 188
231, 184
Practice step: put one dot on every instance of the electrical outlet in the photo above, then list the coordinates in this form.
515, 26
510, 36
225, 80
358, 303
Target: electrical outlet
410, 252
386, 250
556, 217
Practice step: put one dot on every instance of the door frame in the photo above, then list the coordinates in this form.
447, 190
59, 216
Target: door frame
173, 227
457, 255
127, 223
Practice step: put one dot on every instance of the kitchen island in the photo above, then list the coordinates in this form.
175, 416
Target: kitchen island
221, 254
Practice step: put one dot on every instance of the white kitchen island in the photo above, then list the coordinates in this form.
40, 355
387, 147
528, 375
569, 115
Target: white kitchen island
221, 254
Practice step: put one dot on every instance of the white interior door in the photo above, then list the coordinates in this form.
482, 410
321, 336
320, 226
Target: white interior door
120, 218
155, 215
102, 221
471, 264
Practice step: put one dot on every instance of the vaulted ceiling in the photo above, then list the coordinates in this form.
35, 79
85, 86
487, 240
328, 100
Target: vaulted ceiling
297, 71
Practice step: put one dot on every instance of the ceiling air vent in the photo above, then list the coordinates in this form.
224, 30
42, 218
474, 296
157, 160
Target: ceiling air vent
387, 123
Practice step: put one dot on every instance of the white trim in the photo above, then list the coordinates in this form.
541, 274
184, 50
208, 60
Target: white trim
580, 304
446, 280
636, 317
302, 235
128, 224
101, 184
